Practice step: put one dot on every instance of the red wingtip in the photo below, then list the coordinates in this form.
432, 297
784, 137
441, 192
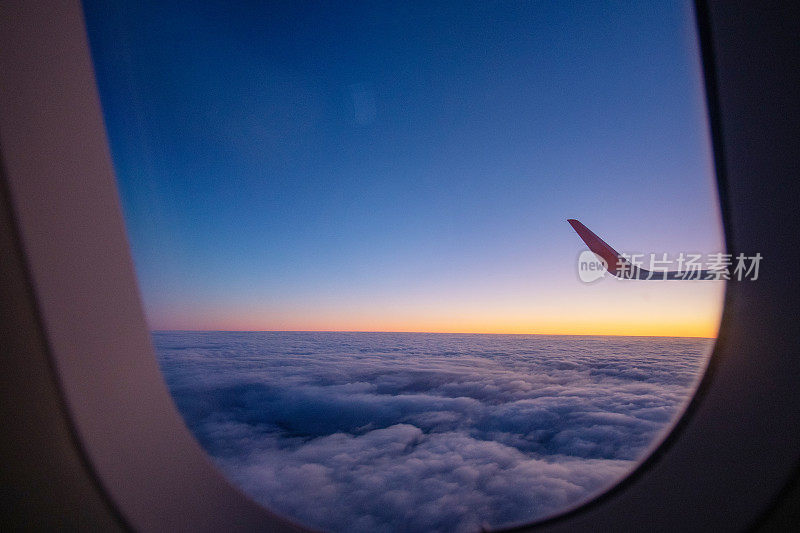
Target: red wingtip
597, 245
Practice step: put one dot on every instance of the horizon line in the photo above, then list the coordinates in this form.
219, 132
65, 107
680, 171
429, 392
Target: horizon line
424, 332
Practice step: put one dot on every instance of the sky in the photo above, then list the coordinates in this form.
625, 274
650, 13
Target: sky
393, 166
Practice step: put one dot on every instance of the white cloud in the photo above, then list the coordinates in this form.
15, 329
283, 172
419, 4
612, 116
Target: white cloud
417, 432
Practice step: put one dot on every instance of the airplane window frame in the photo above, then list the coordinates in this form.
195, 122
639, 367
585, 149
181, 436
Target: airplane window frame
739, 439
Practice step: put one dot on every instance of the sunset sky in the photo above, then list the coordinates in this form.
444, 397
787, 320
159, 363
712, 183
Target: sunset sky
407, 167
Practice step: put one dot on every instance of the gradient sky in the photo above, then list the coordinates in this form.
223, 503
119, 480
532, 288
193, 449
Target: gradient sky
407, 167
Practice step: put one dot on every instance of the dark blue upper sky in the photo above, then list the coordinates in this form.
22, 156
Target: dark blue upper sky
365, 166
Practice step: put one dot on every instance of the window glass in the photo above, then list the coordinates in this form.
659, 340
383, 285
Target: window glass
349, 226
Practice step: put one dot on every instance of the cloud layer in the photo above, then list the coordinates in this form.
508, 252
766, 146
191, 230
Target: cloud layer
425, 432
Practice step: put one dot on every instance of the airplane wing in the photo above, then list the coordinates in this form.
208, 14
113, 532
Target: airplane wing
619, 266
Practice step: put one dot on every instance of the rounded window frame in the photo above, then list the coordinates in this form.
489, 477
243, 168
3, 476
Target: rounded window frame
61, 186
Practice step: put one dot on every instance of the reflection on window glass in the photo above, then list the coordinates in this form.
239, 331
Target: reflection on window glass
349, 226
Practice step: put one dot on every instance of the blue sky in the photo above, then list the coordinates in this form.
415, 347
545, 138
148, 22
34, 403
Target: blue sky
393, 166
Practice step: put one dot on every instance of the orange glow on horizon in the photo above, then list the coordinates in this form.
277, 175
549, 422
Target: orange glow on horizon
664, 310
582, 333
646, 328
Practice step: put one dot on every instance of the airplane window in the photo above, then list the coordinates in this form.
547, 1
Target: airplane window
418, 266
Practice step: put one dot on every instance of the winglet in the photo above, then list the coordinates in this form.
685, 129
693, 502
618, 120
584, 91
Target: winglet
619, 266
600, 247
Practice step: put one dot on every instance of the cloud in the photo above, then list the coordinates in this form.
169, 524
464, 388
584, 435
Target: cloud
419, 432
